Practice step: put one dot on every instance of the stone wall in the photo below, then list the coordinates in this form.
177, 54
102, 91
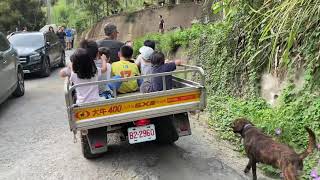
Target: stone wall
137, 24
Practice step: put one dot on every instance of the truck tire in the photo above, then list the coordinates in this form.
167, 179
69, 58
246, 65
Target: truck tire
165, 130
20, 84
86, 149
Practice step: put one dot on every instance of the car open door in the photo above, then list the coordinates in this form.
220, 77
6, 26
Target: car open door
53, 47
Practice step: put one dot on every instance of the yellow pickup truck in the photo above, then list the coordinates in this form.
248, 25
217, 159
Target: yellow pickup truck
160, 116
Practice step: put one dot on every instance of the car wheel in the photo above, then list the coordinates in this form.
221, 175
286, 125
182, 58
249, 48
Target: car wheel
45, 71
20, 84
62, 60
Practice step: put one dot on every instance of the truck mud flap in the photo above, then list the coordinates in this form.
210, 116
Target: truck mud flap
97, 139
182, 124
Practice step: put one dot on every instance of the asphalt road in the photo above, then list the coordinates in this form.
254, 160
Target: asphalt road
36, 143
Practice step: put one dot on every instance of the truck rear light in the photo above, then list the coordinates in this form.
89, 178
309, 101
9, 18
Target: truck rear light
142, 122
184, 128
98, 145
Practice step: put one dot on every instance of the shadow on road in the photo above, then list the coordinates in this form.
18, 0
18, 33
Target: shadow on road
35, 76
165, 161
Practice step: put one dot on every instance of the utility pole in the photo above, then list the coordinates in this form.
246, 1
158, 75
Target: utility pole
49, 11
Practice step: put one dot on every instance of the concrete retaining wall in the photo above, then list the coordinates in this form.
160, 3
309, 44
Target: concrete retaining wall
139, 23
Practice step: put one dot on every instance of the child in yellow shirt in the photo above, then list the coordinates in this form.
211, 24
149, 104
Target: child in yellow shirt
125, 68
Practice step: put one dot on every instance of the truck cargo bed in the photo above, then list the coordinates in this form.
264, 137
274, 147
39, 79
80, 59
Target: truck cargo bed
187, 95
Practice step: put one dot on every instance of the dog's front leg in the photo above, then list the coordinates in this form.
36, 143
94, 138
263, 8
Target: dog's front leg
248, 167
254, 170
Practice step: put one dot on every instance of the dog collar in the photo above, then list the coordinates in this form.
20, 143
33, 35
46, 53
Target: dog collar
247, 126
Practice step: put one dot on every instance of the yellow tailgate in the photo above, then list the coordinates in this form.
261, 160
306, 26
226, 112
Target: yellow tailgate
118, 108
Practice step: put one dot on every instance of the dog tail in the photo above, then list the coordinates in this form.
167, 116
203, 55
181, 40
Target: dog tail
311, 144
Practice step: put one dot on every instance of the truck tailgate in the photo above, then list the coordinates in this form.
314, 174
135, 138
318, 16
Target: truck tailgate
141, 106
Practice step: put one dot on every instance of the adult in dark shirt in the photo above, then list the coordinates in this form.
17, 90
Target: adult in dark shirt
62, 35
111, 42
161, 25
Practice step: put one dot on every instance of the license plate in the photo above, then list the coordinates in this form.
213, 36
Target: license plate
141, 134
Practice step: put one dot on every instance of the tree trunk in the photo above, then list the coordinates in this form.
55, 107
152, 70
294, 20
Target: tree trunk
108, 8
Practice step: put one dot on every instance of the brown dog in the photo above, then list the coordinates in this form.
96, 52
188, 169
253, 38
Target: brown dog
262, 148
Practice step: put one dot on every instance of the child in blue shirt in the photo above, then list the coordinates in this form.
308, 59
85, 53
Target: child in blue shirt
159, 66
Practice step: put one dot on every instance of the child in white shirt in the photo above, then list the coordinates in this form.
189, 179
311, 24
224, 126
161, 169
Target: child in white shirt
84, 70
104, 90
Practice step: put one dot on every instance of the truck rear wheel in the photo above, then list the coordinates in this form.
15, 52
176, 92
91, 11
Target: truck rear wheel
165, 130
86, 151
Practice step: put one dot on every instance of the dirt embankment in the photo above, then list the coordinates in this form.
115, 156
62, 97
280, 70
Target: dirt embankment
137, 24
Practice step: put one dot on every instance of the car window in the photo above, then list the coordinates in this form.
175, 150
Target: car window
4, 45
27, 40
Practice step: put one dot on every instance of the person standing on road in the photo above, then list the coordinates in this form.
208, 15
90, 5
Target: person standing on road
161, 25
68, 38
73, 36
111, 42
62, 35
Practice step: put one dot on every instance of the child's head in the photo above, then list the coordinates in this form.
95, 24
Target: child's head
91, 47
126, 52
150, 44
157, 58
82, 64
105, 51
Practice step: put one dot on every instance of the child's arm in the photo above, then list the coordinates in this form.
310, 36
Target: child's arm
104, 66
66, 72
178, 62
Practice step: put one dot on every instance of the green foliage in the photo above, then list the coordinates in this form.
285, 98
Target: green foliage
134, 5
169, 42
19, 13
82, 14
279, 37
290, 118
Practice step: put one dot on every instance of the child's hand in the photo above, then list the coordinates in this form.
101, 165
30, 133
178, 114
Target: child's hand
104, 58
178, 62
104, 63
65, 72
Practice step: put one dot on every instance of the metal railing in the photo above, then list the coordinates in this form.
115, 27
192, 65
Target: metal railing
187, 69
